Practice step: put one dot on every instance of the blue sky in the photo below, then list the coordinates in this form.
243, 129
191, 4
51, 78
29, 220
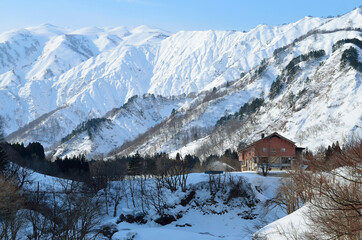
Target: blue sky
171, 15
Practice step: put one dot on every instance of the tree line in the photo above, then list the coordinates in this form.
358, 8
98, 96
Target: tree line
87, 189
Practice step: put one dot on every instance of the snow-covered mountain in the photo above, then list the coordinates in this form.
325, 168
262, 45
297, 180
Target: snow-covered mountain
99, 136
315, 99
53, 79
35, 64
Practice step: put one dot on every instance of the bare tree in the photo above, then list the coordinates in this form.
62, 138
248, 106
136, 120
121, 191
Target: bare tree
40, 225
118, 190
336, 195
17, 175
12, 179
167, 170
131, 183
103, 172
182, 173
156, 196
77, 211
217, 182
290, 193
174, 173
11, 202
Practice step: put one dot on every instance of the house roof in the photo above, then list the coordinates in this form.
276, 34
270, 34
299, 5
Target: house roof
274, 134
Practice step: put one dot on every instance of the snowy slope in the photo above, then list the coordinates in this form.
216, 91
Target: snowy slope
34, 61
208, 219
120, 125
190, 61
292, 226
77, 75
73, 64
205, 218
320, 104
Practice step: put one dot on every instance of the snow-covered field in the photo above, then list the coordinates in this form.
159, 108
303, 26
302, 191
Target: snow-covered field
202, 218
207, 225
291, 226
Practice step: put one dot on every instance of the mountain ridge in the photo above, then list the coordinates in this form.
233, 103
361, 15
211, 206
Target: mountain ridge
104, 67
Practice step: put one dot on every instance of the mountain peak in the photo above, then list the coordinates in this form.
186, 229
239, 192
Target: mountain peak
71, 76
47, 29
146, 29
88, 31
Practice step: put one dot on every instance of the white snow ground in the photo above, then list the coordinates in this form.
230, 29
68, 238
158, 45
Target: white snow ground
204, 223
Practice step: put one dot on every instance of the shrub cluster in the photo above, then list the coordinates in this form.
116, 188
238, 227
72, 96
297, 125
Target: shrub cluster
90, 126
245, 110
340, 43
350, 56
291, 70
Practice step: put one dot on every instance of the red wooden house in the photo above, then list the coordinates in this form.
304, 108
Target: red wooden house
274, 151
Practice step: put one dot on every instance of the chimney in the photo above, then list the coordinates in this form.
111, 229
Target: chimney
262, 135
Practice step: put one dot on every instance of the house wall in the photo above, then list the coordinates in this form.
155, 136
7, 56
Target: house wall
246, 158
273, 146
275, 143
247, 154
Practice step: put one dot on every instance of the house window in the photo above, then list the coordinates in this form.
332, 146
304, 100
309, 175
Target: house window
265, 149
272, 150
286, 160
283, 149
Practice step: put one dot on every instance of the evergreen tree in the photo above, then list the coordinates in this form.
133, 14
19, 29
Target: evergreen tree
1, 129
37, 149
178, 157
329, 153
135, 165
337, 148
3, 158
192, 161
151, 167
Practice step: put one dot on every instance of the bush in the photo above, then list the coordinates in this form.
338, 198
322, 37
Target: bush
166, 219
245, 110
108, 230
350, 56
340, 43
239, 189
334, 191
291, 70
90, 126
276, 88
262, 68
138, 218
228, 187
